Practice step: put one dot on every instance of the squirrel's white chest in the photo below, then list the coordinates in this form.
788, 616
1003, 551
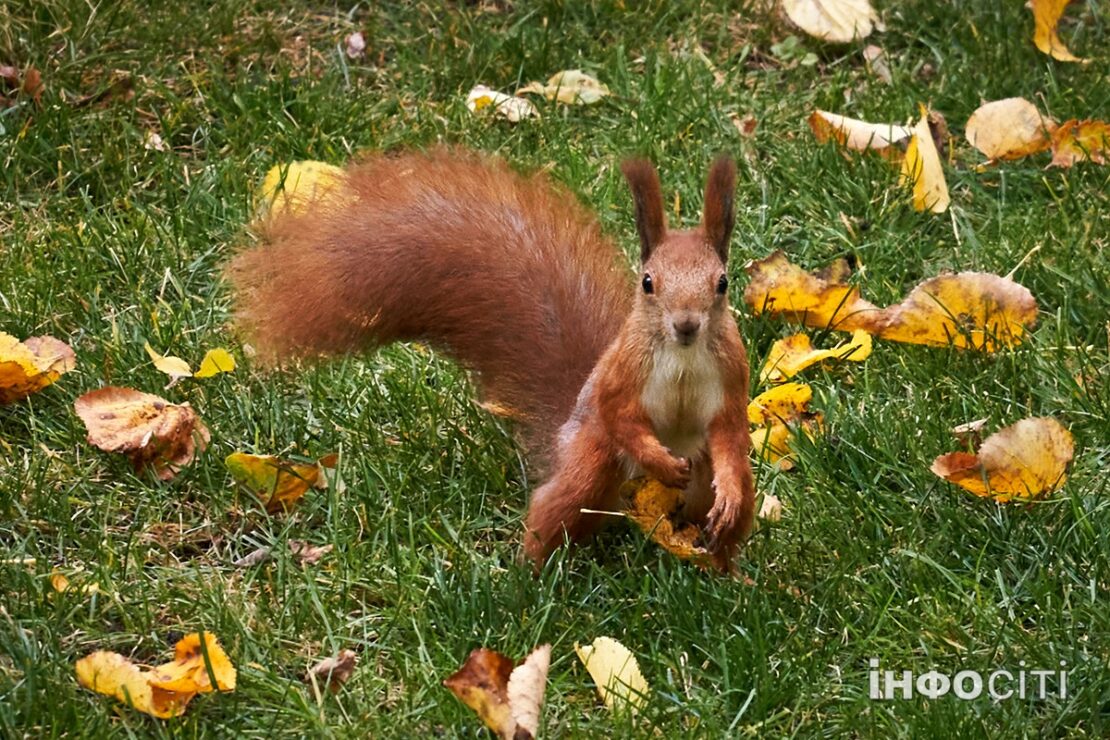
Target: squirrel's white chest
682, 394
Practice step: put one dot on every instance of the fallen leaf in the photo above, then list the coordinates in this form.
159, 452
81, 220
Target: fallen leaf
333, 672
922, 170
770, 508
306, 553
969, 430
152, 141
859, 135
215, 361
293, 188
166, 690
746, 125
969, 310
781, 403
175, 367
771, 443
820, 300
509, 107
1023, 461
148, 429
28, 82
278, 483
1046, 17
615, 672
253, 558
356, 45
656, 509
795, 353
572, 87
838, 21
875, 58
61, 584
1008, 129
507, 698
28, 367
1080, 141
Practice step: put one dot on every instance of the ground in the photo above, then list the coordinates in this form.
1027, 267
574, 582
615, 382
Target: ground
108, 244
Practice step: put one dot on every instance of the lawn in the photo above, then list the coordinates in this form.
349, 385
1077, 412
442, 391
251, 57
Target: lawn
108, 243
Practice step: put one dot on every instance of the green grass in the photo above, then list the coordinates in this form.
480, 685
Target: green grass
107, 245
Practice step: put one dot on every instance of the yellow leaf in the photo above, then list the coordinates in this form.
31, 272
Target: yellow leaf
60, 584
191, 672
112, 674
572, 87
215, 361
1008, 129
772, 443
791, 355
615, 672
175, 367
656, 510
28, 367
1046, 17
1022, 461
820, 300
294, 187
838, 21
278, 483
506, 698
1080, 141
859, 135
146, 428
922, 169
509, 107
781, 403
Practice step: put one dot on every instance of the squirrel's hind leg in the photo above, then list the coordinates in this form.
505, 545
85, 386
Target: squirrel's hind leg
586, 475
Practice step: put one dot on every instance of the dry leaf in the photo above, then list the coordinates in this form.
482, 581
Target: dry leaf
152, 141
838, 21
148, 429
507, 698
61, 584
509, 107
656, 510
333, 672
795, 353
1046, 17
306, 553
278, 483
876, 63
215, 361
770, 508
356, 45
820, 300
166, 690
1008, 129
253, 558
615, 672
859, 135
175, 367
27, 82
969, 310
28, 367
1080, 141
572, 86
293, 188
922, 170
745, 125
1022, 461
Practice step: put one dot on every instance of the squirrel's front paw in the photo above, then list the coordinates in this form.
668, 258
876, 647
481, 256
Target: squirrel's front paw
727, 523
674, 474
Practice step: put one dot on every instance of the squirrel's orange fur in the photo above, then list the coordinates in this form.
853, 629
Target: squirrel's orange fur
512, 277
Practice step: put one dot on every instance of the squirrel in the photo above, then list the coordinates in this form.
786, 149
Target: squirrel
513, 278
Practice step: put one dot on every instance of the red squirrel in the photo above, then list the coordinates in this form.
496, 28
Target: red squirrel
512, 277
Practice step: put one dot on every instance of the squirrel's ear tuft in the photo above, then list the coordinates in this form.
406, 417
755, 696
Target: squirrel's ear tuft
648, 198
720, 191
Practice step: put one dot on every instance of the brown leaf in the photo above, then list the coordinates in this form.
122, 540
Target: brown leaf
148, 429
27, 82
308, 554
333, 672
482, 684
1022, 461
1080, 141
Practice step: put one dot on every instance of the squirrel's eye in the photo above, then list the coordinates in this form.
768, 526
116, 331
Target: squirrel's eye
648, 287
722, 285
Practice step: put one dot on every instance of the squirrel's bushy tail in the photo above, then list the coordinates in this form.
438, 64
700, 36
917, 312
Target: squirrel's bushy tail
508, 274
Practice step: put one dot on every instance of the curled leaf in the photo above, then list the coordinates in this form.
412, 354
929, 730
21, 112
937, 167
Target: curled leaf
572, 87
1046, 18
615, 672
1080, 141
29, 366
859, 136
1023, 461
278, 483
922, 170
509, 107
795, 353
60, 583
657, 509
333, 672
507, 698
838, 21
1008, 129
148, 429
196, 662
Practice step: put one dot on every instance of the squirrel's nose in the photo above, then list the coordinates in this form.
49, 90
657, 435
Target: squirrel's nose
686, 328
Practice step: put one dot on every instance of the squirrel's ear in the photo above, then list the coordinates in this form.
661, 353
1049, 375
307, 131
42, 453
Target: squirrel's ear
720, 191
648, 197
